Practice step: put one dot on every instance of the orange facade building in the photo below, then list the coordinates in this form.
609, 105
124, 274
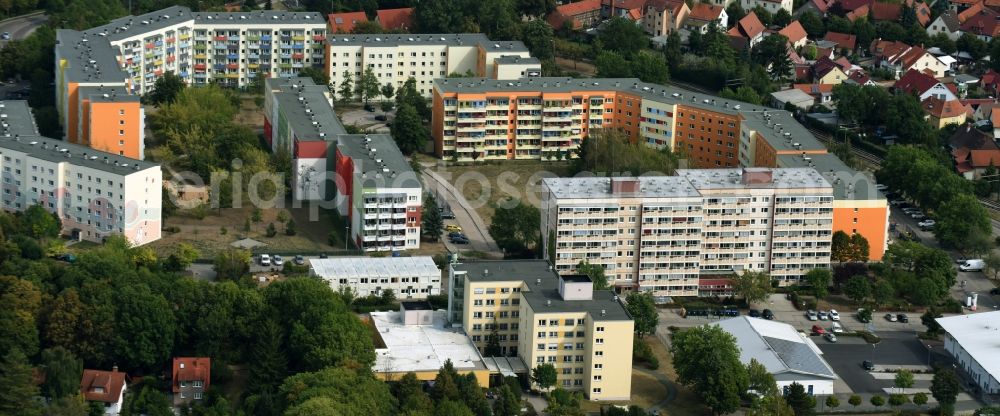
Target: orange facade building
478, 119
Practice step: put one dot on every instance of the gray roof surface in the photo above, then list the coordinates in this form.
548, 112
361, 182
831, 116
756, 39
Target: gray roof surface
459, 39
777, 346
114, 94
130, 26
597, 187
16, 119
52, 150
91, 59
303, 102
950, 20
772, 124
848, 184
379, 160
544, 297
517, 59
782, 178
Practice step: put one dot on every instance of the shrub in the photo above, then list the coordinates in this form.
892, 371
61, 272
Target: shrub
223, 231
643, 353
920, 399
877, 401
855, 400
271, 230
897, 399
290, 227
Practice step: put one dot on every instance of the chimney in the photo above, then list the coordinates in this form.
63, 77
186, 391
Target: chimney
114, 368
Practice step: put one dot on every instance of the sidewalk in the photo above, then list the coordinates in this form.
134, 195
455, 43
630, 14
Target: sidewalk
472, 224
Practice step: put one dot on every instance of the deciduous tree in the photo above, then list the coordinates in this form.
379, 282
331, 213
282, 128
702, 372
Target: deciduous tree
595, 272
642, 308
17, 386
802, 403
754, 286
408, 130
62, 373
515, 227
819, 281
707, 359
544, 375
858, 288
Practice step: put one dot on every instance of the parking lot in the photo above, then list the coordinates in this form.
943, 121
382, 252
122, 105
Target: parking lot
896, 349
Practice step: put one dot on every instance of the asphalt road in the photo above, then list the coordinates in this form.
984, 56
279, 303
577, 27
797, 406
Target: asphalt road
22, 26
896, 348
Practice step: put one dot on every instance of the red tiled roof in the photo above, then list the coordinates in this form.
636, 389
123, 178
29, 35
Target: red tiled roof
344, 22
858, 13
923, 12
943, 109
886, 11
749, 26
914, 81
990, 77
851, 5
984, 23
191, 369
908, 58
794, 31
624, 4
860, 77
971, 11
674, 6
823, 6
102, 386
566, 12
635, 14
705, 12
391, 19
995, 117
843, 40
814, 89
886, 49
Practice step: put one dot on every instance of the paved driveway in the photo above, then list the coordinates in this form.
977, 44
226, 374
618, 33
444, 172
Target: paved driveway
895, 349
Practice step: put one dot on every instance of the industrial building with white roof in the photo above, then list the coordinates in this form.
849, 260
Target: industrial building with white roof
974, 341
409, 277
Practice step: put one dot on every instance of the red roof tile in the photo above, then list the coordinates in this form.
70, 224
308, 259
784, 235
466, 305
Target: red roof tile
392, 19
344, 22
814, 89
915, 82
943, 109
886, 11
749, 26
860, 77
984, 23
794, 31
851, 5
843, 40
823, 6
566, 12
971, 11
191, 369
705, 12
102, 386
858, 13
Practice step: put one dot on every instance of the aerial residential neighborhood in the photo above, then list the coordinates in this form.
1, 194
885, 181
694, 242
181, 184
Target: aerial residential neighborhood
460, 207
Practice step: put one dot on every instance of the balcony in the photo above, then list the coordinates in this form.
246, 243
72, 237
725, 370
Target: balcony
299, 38
220, 46
232, 66
199, 56
219, 38
233, 56
185, 36
298, 47
201, 37
298, 56
253, 56
200, 47
253, 66
318, 38
199, 67
171, 40
234, 38
265, 38
233, 75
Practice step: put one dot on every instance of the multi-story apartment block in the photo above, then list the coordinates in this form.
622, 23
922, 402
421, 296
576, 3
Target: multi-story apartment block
94, 193
378, 192
664, 234
396, 58
542, 317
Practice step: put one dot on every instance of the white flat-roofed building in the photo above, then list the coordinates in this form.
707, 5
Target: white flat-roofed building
787, 354
663, 234
424, 57
409, 277
422, 346
974, 341
95, 194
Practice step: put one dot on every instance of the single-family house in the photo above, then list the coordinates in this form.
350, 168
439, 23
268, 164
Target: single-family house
579, 15
793, 96
662, 17
859, 13
827, 71
946, 23
820, 7
789, 355
923, 86
795, 33
629, 9
900, 57
845, 42
941, 113
747, 33
771, 6
104, 387
984, 25
344, 22
859, 77
821, 93
190, 379
402, 19
973, 151
702, 14
990, 82
892, 12
959, 6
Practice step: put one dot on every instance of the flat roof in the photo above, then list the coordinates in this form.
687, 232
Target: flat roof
778, 346
848, 184
307, 107
378, 160
447, 39
20, 120
576, 278
597, 187
90, 59
130, 26
416, 305
978, 334
541, 289
759, 118
781, 178
518, 59
355, 267
108, 94
422, 347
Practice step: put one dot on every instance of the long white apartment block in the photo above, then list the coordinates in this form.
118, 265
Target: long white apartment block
396, 58
409, 277
229, 48
95, 194
669, 234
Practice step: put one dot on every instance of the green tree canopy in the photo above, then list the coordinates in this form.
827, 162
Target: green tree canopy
515, 227
338, 391
408, 129
165, 89
623, 36
754, 286
642, 308
707, 359
62, 373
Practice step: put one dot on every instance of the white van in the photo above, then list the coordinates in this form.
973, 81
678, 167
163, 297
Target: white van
265, 260
972, 265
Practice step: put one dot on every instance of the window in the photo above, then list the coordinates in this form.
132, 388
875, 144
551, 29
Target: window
598, 366
569, 322
540, 347
598, 353
597, 377
541, 322
596, 390
121, 132
197, 384
599, 341
599, 329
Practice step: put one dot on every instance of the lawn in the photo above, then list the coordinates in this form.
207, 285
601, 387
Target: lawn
686, 402
486, 184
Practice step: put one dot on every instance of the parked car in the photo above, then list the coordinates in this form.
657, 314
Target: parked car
767, 314
753, 313
868, 365
972, 265
890, 317
66, 257
823, 315
369, 108
830, 336
837, 328
903, 318
926, 224
897, 202
834, 315
447, 215
265, 260
811, 315
380, 117
918, 215
278, 261
995, 291
455, 234
300, 260
881, 188
5, 35
452, 228
818, 330
460, 240
910, 210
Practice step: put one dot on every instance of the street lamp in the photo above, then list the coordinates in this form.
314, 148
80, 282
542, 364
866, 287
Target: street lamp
347, 235
928, 355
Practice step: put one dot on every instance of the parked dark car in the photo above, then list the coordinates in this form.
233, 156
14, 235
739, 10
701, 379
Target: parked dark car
460, 240
868, 365
768, 314
903, 318
456, 234
369, 108
754, 313
380, 117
